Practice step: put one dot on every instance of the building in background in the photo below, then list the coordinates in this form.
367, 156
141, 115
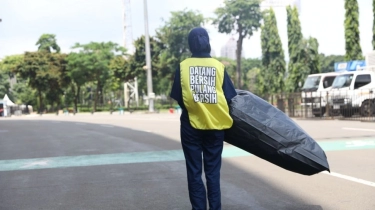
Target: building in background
213, 53
229, 49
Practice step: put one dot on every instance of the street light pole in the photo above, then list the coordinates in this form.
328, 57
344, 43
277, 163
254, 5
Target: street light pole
150, 93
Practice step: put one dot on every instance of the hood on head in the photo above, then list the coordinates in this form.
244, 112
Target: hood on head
199, 41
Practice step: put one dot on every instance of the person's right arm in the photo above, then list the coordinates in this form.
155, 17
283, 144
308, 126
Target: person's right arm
176, 92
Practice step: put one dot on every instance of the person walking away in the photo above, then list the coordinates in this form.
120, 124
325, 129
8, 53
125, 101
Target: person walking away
203, 90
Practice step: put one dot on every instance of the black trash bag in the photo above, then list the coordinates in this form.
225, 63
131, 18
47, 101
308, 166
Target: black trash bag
265, 131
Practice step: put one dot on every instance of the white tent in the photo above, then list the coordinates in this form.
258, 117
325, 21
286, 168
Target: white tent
8, 101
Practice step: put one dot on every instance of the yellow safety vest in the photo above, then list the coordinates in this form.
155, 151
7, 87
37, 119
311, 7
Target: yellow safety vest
203, 95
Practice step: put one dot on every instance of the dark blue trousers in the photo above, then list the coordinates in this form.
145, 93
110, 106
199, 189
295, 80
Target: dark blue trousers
210, 144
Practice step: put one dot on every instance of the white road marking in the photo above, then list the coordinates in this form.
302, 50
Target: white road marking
350, 178
3, 131
37, 163
359, 143
359, 129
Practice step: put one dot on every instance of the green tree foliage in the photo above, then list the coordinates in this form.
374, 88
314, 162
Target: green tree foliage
117, 67
165, 73
230, 66
328, 62
308, 62
114, 85
175, 48
9, 63
253, 80
46, 73
47, 42
93, 59
56, 86
242, 17
78, 73
312, 58
137, 62
295, 41
23, 94
295, 36
7, 70
304, 58
4, 84
271, 78
352, 38
249, 69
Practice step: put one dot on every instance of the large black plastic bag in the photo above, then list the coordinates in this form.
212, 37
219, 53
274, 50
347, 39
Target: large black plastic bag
265, 131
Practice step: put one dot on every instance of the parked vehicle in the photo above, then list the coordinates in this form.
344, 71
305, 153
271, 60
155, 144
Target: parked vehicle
354, 93
314, 92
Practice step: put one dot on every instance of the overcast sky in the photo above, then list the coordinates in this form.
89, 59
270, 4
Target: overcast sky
23, 21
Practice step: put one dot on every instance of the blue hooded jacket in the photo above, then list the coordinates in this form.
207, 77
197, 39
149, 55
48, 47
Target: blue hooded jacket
199, 42
199, 45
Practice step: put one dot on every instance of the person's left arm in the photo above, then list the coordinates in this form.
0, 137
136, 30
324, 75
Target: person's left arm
228, 88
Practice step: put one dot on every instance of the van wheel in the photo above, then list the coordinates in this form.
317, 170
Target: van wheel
367, 108
346, 113
322, 111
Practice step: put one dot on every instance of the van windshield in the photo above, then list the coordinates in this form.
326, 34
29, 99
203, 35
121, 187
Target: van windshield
342, 81
311, 83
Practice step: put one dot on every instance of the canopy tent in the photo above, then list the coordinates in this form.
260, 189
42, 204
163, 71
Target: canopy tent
8, 101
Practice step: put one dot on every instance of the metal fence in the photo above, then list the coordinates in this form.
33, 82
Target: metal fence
346, 105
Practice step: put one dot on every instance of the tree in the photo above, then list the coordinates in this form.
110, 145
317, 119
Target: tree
328, 62
313, 60
271, 78
117, 73
7, 70
242, 17
295, 41
295, 36
249, 65
118, 67
230, 66
9, 63
47, 42
94, 59
78, 74
137, 61
253, 80
352, 38
45, 73
4, 84
308, 62
57, 84
23, 94
304, 58
174, 47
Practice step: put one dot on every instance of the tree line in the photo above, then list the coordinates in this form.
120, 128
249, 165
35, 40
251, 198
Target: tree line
95, 72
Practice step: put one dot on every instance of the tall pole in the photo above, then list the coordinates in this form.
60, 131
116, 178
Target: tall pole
150, 93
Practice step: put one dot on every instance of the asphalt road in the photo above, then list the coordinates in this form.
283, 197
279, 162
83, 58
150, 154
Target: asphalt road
134, 161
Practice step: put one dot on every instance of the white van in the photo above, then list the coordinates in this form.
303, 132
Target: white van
354, 93
314, 92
